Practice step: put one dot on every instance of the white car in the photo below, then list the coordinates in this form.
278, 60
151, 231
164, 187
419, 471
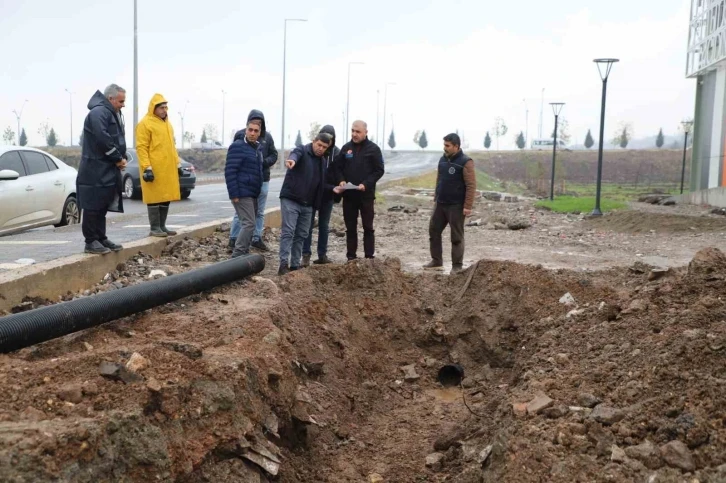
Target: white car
36, 189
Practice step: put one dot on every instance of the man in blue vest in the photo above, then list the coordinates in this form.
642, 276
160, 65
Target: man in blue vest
455, 190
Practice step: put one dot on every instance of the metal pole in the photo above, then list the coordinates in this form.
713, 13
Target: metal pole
385, 100
526, 123
683, 169
554, 156
347, 102
284, 68
541, 109
136, 73
597, 211
378, 113
223, 94
71, 106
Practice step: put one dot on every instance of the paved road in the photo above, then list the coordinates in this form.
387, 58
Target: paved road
208, 202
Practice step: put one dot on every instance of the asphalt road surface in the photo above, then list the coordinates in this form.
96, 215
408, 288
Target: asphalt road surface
207, 203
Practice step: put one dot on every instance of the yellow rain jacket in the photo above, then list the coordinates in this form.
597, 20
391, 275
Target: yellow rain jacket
155, 147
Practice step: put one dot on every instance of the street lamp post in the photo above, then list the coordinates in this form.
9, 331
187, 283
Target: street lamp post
347, 103
526, 122
556, 109
284, 71
223, 99
687, 125
378, 113
385, 100
70, 94
18, 116
603, 66
182, 115
136, 72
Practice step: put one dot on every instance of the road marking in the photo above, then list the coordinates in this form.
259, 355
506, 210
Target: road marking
34, 242
147, 226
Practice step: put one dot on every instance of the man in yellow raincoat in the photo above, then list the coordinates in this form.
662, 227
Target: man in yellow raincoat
159, 164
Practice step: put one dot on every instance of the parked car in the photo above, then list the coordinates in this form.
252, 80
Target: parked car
36, 189
132, 177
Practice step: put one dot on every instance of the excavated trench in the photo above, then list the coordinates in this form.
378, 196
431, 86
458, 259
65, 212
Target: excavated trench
354, 373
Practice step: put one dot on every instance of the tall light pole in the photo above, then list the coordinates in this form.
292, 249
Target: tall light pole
385, 100
136, 72
284, 71
556, 109
347, 103
181, 115
70, 94
18, 116
603, 66
223, 99
526, 122
687, 125
378, 113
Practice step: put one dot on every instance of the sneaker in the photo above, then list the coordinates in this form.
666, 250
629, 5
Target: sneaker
283, 270
96, 248
456, 269
114, 247
324, 260
260, 245
433, 265
306, 261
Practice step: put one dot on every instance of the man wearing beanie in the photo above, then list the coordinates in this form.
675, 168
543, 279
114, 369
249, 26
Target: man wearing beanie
326, 208
159, 165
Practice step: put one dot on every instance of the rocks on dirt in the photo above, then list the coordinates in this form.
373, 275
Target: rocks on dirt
153, 385
568, 299
157, 274
375, 478
539, 403
117, 372
491, 195
409, 373
606, 415
588, 400
435, 461
647, 453
677, 455
192, 351
72, 393
518, 225
707, 261
263, 458
137, 362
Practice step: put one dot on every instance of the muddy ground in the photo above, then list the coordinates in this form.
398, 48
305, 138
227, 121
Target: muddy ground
329, 374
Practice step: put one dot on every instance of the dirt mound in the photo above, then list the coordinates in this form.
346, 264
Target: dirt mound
641, 222
329, 374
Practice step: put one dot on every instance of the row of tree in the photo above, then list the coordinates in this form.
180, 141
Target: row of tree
45, 130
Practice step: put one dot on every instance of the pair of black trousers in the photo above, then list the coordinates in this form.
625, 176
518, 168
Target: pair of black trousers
93, 225
351, 207
452, 215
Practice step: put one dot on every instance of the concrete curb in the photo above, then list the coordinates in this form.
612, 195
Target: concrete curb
79, 272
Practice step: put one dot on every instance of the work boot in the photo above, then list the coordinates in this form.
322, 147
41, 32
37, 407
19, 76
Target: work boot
324, 260
456, 269
114, 247
433, 265
283, 270
306, 261
232, 243
155, 222
96, 248
164, 212
260, 245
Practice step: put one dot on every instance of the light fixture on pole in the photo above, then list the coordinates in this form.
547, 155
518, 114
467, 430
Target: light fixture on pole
385, 100
136, 73
347, 103
284, 71
70, 94
603, 66
182, 115
223, 98
18, 116
556, 110
687, 126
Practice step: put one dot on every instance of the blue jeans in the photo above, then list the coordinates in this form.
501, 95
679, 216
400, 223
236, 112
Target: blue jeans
323, 230
296, 220
260, 222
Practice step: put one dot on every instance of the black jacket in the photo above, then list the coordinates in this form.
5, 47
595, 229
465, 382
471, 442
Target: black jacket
104, 144
359, 164
329, 158
308, 180
267, 144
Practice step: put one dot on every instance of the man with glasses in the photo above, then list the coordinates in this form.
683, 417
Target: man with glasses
103, 156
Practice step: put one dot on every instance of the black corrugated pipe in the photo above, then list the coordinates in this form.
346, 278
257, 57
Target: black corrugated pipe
46, 323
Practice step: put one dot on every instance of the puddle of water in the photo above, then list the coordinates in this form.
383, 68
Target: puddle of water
447, 394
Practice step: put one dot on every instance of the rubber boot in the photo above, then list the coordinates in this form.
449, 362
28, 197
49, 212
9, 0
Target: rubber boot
164, 212
155, 222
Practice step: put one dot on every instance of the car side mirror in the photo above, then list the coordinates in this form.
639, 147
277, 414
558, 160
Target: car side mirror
9, 175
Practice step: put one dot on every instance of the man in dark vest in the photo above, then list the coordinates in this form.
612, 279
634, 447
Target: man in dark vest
455, 190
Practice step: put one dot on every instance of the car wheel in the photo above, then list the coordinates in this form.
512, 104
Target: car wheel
185, 194
129, 191
71, 212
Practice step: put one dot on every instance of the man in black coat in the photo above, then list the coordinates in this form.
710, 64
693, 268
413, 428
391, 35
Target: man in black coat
360, 163
103, 156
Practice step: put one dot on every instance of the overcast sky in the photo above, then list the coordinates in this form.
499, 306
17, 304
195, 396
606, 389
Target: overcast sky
456, 64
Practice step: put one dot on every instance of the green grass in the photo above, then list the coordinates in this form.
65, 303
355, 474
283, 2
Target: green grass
620, 192
484, 182
573, 204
